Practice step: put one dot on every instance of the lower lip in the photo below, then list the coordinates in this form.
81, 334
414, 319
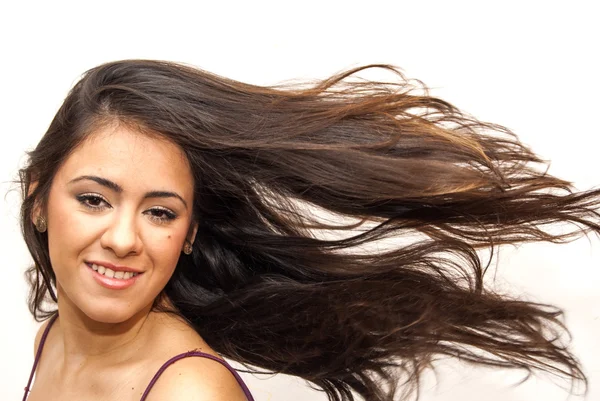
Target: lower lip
113, 283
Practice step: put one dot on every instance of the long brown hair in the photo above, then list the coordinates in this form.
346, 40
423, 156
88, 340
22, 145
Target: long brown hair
264, 288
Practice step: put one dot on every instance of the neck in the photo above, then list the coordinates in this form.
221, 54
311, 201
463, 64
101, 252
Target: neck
90, 343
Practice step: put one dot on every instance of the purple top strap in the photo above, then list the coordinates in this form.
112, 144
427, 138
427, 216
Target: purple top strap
38, 354
156, 376
201, 354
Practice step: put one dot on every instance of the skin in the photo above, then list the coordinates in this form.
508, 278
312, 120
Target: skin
107, 344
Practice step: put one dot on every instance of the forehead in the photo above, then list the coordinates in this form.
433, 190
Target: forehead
131, 159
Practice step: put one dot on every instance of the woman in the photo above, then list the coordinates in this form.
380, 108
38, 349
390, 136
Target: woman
165, 210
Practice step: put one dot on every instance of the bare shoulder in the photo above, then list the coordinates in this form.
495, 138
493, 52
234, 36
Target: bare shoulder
38, 336
196, 379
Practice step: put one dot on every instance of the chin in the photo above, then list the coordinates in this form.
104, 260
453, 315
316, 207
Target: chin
111, 313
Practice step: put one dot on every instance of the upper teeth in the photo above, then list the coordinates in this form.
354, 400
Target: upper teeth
111, 273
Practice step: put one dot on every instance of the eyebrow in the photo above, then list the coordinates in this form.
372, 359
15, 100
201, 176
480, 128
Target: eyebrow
117, 188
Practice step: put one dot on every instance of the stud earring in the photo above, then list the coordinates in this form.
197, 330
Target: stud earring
187, 248
41, 225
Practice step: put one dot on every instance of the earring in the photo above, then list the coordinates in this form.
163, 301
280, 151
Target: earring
41, 225
187, 248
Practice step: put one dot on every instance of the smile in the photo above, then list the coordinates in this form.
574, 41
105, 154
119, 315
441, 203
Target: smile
111, 279
111, 273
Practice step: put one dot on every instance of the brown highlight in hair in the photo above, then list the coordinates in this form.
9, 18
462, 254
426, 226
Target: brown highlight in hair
263, 289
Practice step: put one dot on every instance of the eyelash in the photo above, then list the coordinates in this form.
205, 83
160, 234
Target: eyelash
84, 199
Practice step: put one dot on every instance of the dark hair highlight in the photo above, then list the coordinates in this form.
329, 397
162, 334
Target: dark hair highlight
263, 289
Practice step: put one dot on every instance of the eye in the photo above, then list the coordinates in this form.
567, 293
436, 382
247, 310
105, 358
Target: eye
93, 201
161, 215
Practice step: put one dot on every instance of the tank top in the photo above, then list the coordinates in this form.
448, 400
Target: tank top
156, 376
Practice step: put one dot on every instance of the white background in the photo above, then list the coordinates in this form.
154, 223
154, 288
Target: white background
530, 65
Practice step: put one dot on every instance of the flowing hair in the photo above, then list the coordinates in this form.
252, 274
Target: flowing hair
265, 288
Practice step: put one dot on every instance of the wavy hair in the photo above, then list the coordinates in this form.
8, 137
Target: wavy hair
264, 288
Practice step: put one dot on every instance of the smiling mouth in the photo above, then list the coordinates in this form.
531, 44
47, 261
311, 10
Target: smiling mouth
111, 273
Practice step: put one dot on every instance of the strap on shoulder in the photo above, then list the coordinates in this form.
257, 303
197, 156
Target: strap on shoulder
39, 354
200, 354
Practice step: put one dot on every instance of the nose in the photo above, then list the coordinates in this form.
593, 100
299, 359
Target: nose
122, 236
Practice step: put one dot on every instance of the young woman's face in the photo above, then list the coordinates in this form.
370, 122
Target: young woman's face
120, 204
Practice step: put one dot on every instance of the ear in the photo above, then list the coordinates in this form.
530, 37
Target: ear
37, 210
192, 232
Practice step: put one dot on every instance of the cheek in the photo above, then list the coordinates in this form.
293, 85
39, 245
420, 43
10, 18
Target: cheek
164, 249
68, 232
